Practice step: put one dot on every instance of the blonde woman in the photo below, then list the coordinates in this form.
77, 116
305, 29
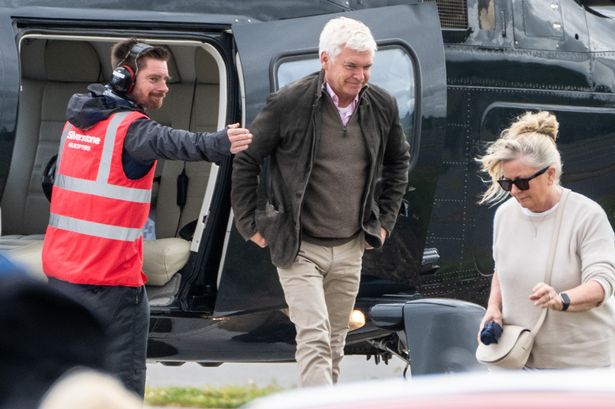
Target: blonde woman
579, 330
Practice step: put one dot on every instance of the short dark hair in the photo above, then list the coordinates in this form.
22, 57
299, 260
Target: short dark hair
120, 54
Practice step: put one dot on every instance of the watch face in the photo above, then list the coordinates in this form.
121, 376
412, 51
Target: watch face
565, 301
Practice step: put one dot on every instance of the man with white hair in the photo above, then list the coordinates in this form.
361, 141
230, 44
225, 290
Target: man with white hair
338, 169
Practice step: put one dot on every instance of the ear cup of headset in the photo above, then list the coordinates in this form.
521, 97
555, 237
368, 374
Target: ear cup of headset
122, 79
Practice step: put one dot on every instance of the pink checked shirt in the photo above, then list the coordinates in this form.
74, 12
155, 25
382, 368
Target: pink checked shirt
345, 112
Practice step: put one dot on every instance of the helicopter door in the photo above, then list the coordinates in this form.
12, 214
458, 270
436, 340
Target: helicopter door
9, 93
409, 63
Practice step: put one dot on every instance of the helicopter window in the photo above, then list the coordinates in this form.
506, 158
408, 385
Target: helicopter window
486, 14
537, 25
393, 70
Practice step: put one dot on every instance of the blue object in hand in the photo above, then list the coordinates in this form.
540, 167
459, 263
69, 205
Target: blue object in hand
490, 333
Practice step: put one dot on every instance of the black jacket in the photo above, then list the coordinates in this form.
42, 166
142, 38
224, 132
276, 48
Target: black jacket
146, 140
286, 132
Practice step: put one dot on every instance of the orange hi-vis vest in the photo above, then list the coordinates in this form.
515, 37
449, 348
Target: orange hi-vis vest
97, 213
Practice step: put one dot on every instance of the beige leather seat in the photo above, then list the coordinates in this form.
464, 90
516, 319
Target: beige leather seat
26, 251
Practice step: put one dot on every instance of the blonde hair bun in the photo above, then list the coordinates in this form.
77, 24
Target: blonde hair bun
543, 123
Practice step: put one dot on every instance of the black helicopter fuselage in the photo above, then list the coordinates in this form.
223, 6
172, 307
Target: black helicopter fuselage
460, 70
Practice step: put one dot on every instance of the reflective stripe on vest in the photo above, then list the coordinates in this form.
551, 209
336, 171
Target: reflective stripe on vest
110, 191
101, 188
104, 231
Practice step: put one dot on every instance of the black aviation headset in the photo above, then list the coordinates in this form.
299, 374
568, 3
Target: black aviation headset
123, 77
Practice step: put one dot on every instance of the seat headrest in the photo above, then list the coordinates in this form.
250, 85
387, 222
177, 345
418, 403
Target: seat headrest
71, 61
205, 67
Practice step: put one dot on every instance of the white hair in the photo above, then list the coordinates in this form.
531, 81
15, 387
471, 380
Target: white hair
343, 32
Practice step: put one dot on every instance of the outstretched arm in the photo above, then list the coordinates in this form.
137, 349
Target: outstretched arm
148, 140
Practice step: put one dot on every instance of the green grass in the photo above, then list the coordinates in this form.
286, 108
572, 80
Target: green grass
207, 397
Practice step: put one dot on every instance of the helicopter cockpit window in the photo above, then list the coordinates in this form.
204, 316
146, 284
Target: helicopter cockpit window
393, 70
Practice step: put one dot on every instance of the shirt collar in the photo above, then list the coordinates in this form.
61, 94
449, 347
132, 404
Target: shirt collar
336, 99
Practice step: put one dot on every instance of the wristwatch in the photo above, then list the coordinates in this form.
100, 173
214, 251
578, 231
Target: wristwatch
565, 301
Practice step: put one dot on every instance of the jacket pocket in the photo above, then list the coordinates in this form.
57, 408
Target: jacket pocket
268, 218
372, 228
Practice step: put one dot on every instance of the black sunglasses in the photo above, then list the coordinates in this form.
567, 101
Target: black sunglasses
521, 183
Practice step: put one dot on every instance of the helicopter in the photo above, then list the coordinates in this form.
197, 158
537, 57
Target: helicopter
460, 70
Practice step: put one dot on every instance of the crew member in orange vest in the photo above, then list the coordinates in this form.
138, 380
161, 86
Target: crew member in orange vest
101, 196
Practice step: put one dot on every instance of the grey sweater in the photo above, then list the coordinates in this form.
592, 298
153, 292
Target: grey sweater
331, 213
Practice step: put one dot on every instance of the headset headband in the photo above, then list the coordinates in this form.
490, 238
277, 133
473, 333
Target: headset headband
135, 53
138, 49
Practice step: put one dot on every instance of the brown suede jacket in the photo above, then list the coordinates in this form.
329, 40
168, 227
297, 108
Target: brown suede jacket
286, 133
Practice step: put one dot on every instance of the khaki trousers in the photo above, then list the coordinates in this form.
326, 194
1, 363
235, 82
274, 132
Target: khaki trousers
320, 289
